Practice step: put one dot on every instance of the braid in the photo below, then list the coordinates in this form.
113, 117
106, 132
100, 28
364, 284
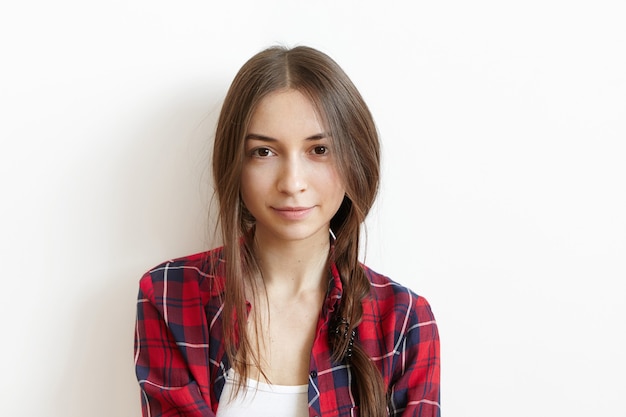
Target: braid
370, 390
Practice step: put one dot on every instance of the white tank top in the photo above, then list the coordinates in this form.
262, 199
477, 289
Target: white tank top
263, 400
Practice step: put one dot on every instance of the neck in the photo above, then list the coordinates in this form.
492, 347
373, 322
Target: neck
296, 267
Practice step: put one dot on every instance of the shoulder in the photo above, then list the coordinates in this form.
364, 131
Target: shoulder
200, 274
394, 306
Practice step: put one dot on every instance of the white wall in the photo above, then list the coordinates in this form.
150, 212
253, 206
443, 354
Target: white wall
503, 197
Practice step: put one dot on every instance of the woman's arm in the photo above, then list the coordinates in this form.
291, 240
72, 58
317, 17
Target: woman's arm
416, 391
167, 385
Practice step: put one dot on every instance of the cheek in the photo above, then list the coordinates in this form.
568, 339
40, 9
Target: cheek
247, 186
333, 184
255, 186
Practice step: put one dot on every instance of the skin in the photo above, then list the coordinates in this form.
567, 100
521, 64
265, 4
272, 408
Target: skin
291, 186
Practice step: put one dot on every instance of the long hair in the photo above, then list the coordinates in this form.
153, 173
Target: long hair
355, 140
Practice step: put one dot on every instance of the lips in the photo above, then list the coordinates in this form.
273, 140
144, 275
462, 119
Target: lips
293, 213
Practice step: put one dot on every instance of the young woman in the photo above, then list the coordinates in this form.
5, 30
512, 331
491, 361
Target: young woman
283, 319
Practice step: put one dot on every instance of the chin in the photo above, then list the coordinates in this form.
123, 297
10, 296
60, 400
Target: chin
297, 234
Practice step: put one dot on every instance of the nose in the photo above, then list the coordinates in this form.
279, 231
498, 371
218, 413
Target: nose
292, 176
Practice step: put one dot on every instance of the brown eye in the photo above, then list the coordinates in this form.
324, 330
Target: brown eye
261, 152
320, 150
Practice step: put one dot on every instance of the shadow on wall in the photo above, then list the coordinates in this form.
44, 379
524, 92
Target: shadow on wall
147, 201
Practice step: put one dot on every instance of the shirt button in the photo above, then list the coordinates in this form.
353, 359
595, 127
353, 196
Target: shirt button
313, 374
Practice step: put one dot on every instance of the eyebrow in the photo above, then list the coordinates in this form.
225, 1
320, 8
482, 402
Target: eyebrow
255, 136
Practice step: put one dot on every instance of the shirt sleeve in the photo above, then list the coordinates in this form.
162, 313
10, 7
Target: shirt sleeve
166, 383
415, 390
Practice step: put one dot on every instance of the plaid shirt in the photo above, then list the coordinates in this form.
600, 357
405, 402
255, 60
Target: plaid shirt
181, 362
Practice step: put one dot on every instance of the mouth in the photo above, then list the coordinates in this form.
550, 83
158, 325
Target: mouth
293, 213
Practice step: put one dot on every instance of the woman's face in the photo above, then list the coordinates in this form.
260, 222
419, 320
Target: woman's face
289, 181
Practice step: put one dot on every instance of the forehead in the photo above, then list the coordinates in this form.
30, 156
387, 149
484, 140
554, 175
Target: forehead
286, 111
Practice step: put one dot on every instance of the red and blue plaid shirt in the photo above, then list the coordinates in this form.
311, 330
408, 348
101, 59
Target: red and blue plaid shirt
181, 363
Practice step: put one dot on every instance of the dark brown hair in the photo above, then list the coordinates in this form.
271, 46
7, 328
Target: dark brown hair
355, 140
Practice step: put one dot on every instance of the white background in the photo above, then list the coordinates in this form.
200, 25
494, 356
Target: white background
503, 199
